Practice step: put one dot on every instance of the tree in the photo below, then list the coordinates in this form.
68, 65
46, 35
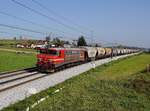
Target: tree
96, 45
21, 37
81, 41
66, 42
48, 38
56, 41
15, 38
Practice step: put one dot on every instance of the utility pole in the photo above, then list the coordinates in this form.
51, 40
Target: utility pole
92, 38
48, 39
92, 43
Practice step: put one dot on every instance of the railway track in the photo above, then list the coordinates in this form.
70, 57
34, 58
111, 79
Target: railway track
9, 80
13, 79
19, 71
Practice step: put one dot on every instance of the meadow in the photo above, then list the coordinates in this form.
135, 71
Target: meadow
11, 45
10, 61
122, 85
7, 42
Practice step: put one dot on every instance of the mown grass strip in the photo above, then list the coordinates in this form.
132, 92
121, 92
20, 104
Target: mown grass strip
12, 61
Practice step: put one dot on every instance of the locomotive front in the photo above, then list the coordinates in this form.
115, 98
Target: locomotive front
48, 59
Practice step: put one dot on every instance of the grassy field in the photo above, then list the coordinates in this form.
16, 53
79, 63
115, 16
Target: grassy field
7, 42
11, 44
121, 85
14, 49
12, 61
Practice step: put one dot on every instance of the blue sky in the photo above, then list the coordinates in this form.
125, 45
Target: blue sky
112, 21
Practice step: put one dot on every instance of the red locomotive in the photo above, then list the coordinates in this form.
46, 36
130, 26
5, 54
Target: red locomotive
51, 58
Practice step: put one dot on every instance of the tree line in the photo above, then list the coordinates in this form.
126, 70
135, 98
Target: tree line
57, 42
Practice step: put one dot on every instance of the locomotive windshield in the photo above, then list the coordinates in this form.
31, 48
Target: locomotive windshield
50, 52
42, 51
53, 52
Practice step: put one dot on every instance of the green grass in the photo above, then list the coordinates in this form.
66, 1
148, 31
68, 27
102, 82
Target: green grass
11, 44
18, 49
5, 42
12, 61
116, 86
126, 67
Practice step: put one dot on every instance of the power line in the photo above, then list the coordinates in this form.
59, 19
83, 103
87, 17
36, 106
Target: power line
46, 16
4, 32
20, 28
58, 15
57, 36
28, 21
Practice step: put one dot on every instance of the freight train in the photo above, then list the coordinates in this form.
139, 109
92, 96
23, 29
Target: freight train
51, 59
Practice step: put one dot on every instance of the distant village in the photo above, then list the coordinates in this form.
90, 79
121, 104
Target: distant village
55, 42
35, 44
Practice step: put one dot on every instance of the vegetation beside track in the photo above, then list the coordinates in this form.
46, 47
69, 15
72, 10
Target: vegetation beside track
121, 85
10, 61
11, 45
7, 42
14, 49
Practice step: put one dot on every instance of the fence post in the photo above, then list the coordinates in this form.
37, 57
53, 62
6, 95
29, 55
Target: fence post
148, 68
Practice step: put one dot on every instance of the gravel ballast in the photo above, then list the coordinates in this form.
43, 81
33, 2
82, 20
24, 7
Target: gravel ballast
21, 92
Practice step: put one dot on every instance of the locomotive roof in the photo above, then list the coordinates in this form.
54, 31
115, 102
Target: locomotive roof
58, 48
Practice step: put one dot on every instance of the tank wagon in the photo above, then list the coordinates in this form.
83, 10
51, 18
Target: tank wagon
108, 52
100, 52
50, 59
91, 52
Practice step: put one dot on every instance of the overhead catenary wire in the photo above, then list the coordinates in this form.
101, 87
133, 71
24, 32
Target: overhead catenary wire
6, 32
28, 21
46, 16
65, 19
24, 29
20, 28
59, 15
31, 22
26, 35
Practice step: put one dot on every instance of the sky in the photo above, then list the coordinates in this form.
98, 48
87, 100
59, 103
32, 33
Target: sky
124, 22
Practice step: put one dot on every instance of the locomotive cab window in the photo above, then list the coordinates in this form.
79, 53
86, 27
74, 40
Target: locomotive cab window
42, 51
53, 52
50, 52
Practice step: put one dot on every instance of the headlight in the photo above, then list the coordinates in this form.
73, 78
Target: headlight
39, 59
